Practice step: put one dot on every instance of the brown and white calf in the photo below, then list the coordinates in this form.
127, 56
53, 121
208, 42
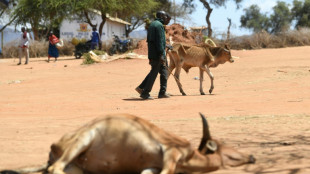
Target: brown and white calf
127, 144
202, 56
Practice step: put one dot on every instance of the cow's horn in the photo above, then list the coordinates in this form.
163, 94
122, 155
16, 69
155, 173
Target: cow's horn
206, 133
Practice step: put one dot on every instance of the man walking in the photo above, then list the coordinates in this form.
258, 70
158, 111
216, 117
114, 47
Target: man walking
24, 46
156, 41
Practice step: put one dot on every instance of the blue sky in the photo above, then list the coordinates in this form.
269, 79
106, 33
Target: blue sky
219, 16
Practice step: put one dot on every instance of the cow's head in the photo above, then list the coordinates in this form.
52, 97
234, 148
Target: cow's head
229, 156
228, 53
222, 55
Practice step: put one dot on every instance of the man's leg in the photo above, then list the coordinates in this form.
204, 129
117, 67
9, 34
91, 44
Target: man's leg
140, 88
27, 55
20, 51
163, 81
150, 79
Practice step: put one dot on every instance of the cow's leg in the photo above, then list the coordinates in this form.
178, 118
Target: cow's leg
177, 78
72, 148
173, 63
206, 68
171, 66
201, 71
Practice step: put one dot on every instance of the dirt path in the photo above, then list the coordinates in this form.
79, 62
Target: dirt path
260, 105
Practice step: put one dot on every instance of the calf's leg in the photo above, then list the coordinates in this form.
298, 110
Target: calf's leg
201, 71
206, 68
177, 79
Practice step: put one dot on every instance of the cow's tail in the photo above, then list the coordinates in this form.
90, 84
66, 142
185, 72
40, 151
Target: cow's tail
25, 170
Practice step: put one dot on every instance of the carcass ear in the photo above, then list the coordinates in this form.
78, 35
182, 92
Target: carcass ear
211, 147
205, 134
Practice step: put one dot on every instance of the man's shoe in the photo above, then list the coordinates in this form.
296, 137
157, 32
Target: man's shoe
146, 97
139, 90
163, 96
26, 63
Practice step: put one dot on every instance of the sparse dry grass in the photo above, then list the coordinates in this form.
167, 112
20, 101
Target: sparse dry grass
260, 40
36, 49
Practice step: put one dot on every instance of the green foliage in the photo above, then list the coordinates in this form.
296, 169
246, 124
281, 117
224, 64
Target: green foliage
41, 14
301, 13
87, 60
254, 20
99, 52
281, 18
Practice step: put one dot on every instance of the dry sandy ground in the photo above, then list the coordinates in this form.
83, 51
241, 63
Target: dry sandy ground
260, 105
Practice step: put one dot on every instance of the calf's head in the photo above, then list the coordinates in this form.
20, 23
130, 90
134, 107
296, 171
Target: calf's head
222, 55
229, 156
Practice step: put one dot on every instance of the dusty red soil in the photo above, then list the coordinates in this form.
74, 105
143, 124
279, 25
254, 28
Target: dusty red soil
260, 105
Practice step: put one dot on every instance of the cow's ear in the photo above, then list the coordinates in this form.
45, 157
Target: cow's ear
227, 46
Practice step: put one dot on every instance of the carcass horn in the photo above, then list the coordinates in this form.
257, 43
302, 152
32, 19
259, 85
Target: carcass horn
206, 133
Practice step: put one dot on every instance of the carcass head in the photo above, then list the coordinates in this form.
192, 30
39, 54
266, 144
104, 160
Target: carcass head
229, 156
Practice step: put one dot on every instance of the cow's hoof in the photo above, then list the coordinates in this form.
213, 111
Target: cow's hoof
183, 94
202, 93
210, 91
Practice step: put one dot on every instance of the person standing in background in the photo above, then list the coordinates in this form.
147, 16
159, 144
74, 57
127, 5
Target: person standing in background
24, 46
95, 39
52, 49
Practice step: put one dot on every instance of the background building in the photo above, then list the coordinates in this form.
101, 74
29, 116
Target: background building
78, 29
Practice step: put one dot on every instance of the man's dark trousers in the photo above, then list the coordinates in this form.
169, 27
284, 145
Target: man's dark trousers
148, 82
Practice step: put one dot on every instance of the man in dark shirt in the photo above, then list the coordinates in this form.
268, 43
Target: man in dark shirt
156, 41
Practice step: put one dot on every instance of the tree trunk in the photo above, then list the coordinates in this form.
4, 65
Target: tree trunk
104, 19
207, 6
228, 29
88, 19
35, 33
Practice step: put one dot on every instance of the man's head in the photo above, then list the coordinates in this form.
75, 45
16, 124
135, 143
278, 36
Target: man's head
50, 33
94, 28
23, 29
164, 16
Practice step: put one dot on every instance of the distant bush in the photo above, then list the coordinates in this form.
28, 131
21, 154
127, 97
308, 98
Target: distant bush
263, 39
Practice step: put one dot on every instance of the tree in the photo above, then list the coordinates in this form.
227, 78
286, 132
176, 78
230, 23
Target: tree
86, 8
254, 20
6, 13
301, 13
137, 15
281, 18
42, 15
206, 4
228, 28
